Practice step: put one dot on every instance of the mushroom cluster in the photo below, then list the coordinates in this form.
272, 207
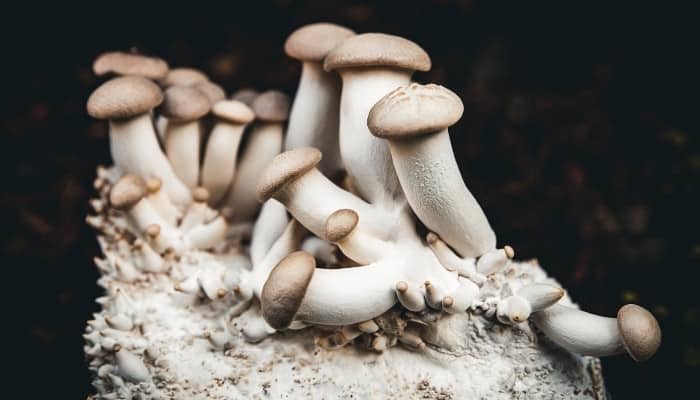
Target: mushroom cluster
350, 221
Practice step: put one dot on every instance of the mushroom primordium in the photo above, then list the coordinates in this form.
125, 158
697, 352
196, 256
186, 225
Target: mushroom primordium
354, 230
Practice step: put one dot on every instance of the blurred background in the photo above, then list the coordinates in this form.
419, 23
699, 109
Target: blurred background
579, 139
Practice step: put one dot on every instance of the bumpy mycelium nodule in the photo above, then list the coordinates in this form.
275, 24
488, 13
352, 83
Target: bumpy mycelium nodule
300, 252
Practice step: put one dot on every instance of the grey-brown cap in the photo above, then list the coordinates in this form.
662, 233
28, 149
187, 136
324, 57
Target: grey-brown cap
124, 97
414, 110
233, 111
214, 92
314, 41
121, 63
284, 168
128, 191
285, 288
377, 49
640, 332
183, 77
184, 103
245, 95
340, 224
271, 106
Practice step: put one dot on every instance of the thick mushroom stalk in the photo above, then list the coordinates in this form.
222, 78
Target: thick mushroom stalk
371, 65
222, 147
634, 331
415, 119
127, 103
313, 120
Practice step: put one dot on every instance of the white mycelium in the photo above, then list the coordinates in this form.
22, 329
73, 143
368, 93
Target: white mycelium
342, 298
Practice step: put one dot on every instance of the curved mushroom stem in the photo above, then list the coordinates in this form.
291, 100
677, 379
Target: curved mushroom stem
220, 158
182, 141
366, 157
452, 262
268, 227
264, 143
313, 120
359, 246
288, 241
433, 185
135, 150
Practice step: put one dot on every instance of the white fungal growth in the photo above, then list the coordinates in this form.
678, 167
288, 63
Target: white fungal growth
325, 291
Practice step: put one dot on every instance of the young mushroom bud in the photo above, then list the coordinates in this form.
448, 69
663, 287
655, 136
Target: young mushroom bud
183, 106
341, 228
495, 260
313, 120
285, 288
127, 103
540, 295
513, 310
415, 119
271, 110
370, 66
128, 195
222, 147
410, 296
161, 202
121, 63
634, 331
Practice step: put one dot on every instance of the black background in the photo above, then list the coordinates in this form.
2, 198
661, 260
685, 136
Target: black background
579, 139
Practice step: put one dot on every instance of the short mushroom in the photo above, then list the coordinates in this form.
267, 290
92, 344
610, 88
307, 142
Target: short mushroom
183, 106
285, 288
370, 66
127, 103
121, 63
183, 77
313, 120
415, 119
634, 331
128, 195
222, 147
342, 229
213, 91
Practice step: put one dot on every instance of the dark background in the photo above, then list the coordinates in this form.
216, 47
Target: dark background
579, 139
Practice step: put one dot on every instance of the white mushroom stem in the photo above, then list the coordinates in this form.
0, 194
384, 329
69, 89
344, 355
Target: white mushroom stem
580, 332
320, 249
452, 262
540, 295
461, 298
313, 119
182, 141
268, 227
208, 235
288, 241
162, 204
366, 157
435, 190
135, 150
142, 214
148, 259
264, 143
410, 296
495, 260
220, 158
196, 214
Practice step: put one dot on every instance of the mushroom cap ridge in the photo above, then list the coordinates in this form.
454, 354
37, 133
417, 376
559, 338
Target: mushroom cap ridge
285, 288
284, 168
377, 49
184, 103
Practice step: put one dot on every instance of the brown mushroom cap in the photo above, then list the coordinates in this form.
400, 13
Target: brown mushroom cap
214, 92
285, 288
640, 332
184, 103
200, 194
377, 49
124, 97
340, 224
271, 106
414, 110
233, 111
121, 63
245, 95
128, 191
183, 77
314, 41
284, 168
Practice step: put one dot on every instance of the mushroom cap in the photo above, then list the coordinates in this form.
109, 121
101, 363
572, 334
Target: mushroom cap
234, 111
414, 110
200, 194
271, 106
640, 332
184, 103
124, 97
285, 288
153, 185
121, 63
245, 95
340, 224
183, 77
128, 191
377, 50
314, 41
284, 168
214, 92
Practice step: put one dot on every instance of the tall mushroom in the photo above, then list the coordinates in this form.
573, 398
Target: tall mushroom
370, 66
271, 110
313, 120
121, 63
127, 103
183, 106
415, 119
222, 147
